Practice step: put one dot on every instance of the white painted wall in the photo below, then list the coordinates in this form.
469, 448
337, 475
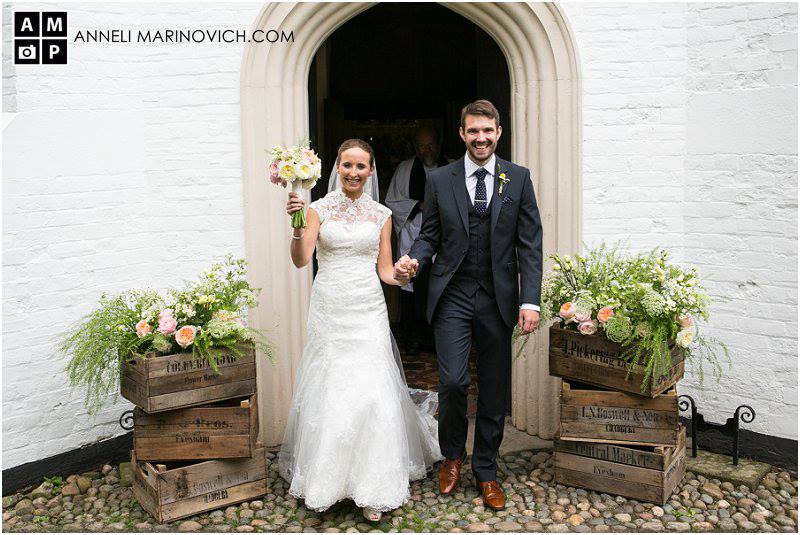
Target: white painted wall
120, 169
123, 169
690, 143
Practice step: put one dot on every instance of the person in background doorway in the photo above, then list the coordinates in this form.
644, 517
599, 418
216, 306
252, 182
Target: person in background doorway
406, 200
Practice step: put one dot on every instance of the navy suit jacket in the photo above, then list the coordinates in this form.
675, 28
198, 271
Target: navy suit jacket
516, 235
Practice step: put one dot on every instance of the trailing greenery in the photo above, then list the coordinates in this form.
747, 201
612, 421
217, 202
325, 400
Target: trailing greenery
642, 301
202, 318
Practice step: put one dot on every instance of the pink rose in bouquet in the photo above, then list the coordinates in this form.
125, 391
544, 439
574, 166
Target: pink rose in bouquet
588, 327
185, 335
166, 321
604, 314
143, 328
686, 321
567, 311
274, 177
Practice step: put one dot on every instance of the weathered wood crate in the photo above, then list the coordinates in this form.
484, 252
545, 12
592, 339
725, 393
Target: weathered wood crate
226, 429
596, 360
593, 415
161, 383
644, 473
172, 492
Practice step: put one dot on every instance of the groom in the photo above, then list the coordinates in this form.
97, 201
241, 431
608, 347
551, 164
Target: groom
481, 222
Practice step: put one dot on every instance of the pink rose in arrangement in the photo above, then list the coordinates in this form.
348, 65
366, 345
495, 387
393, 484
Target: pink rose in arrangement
581, 316
604, 314
143, 328
166, 321
240, 321
273, 173
185, 335
567, 311
588, 327
686, 321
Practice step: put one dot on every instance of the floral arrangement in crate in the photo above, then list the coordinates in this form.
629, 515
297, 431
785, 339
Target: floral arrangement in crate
641, 301
203, 317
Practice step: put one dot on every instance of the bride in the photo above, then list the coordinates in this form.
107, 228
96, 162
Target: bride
353, 430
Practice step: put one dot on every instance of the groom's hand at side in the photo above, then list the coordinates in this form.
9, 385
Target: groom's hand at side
528, 321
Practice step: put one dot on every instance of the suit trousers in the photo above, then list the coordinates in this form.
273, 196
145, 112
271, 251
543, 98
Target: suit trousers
464, 315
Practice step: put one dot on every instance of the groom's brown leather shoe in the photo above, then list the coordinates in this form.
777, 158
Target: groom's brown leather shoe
493, 495
450, 474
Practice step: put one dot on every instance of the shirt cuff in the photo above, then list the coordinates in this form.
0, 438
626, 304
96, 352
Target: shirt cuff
528, 306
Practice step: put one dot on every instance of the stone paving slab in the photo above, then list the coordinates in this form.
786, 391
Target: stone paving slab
102, 501
716, 466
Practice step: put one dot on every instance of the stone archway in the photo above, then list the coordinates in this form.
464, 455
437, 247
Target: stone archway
546, 124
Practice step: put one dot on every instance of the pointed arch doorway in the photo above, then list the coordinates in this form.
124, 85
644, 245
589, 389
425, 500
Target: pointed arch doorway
544, 120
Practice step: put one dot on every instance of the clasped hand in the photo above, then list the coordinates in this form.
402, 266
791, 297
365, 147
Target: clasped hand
405, 269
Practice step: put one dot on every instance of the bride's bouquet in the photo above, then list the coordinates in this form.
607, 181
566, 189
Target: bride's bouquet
298, 165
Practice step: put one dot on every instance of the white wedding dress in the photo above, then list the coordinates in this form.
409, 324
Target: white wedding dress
353, 430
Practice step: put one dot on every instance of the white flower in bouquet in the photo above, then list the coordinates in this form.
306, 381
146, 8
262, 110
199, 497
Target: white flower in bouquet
303, 170
286, 171
582, 315
684, 338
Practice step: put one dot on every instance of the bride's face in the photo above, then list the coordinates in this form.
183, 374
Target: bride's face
354, 170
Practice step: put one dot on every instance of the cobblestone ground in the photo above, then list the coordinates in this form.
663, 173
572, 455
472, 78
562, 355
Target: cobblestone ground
536, 503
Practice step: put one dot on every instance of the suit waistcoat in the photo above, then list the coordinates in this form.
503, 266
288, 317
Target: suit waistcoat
476, 268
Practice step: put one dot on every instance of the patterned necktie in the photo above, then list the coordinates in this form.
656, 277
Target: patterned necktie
480, 191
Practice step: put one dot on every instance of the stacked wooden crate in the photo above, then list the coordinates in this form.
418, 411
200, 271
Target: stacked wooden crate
195, 432
613, 437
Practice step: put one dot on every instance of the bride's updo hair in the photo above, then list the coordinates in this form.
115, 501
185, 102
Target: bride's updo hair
361, 144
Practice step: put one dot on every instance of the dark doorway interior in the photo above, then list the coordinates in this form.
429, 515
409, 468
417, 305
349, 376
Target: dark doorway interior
397, 65
385, 72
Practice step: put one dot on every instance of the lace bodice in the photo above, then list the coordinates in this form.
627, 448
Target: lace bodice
350, 231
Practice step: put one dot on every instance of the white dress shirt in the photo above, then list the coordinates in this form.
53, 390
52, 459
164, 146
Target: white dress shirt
472, 181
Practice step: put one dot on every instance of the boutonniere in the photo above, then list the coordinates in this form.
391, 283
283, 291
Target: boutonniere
503, 179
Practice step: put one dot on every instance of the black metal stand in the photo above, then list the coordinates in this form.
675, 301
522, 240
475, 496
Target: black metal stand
684, 402
126, 420
746, 414
730, 428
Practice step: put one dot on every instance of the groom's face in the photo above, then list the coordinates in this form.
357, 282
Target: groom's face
480, 135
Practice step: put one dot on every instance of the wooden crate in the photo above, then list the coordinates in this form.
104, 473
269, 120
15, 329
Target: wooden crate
161, 383
648, 474
226, 429
592, 415
170, 492
596, 360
